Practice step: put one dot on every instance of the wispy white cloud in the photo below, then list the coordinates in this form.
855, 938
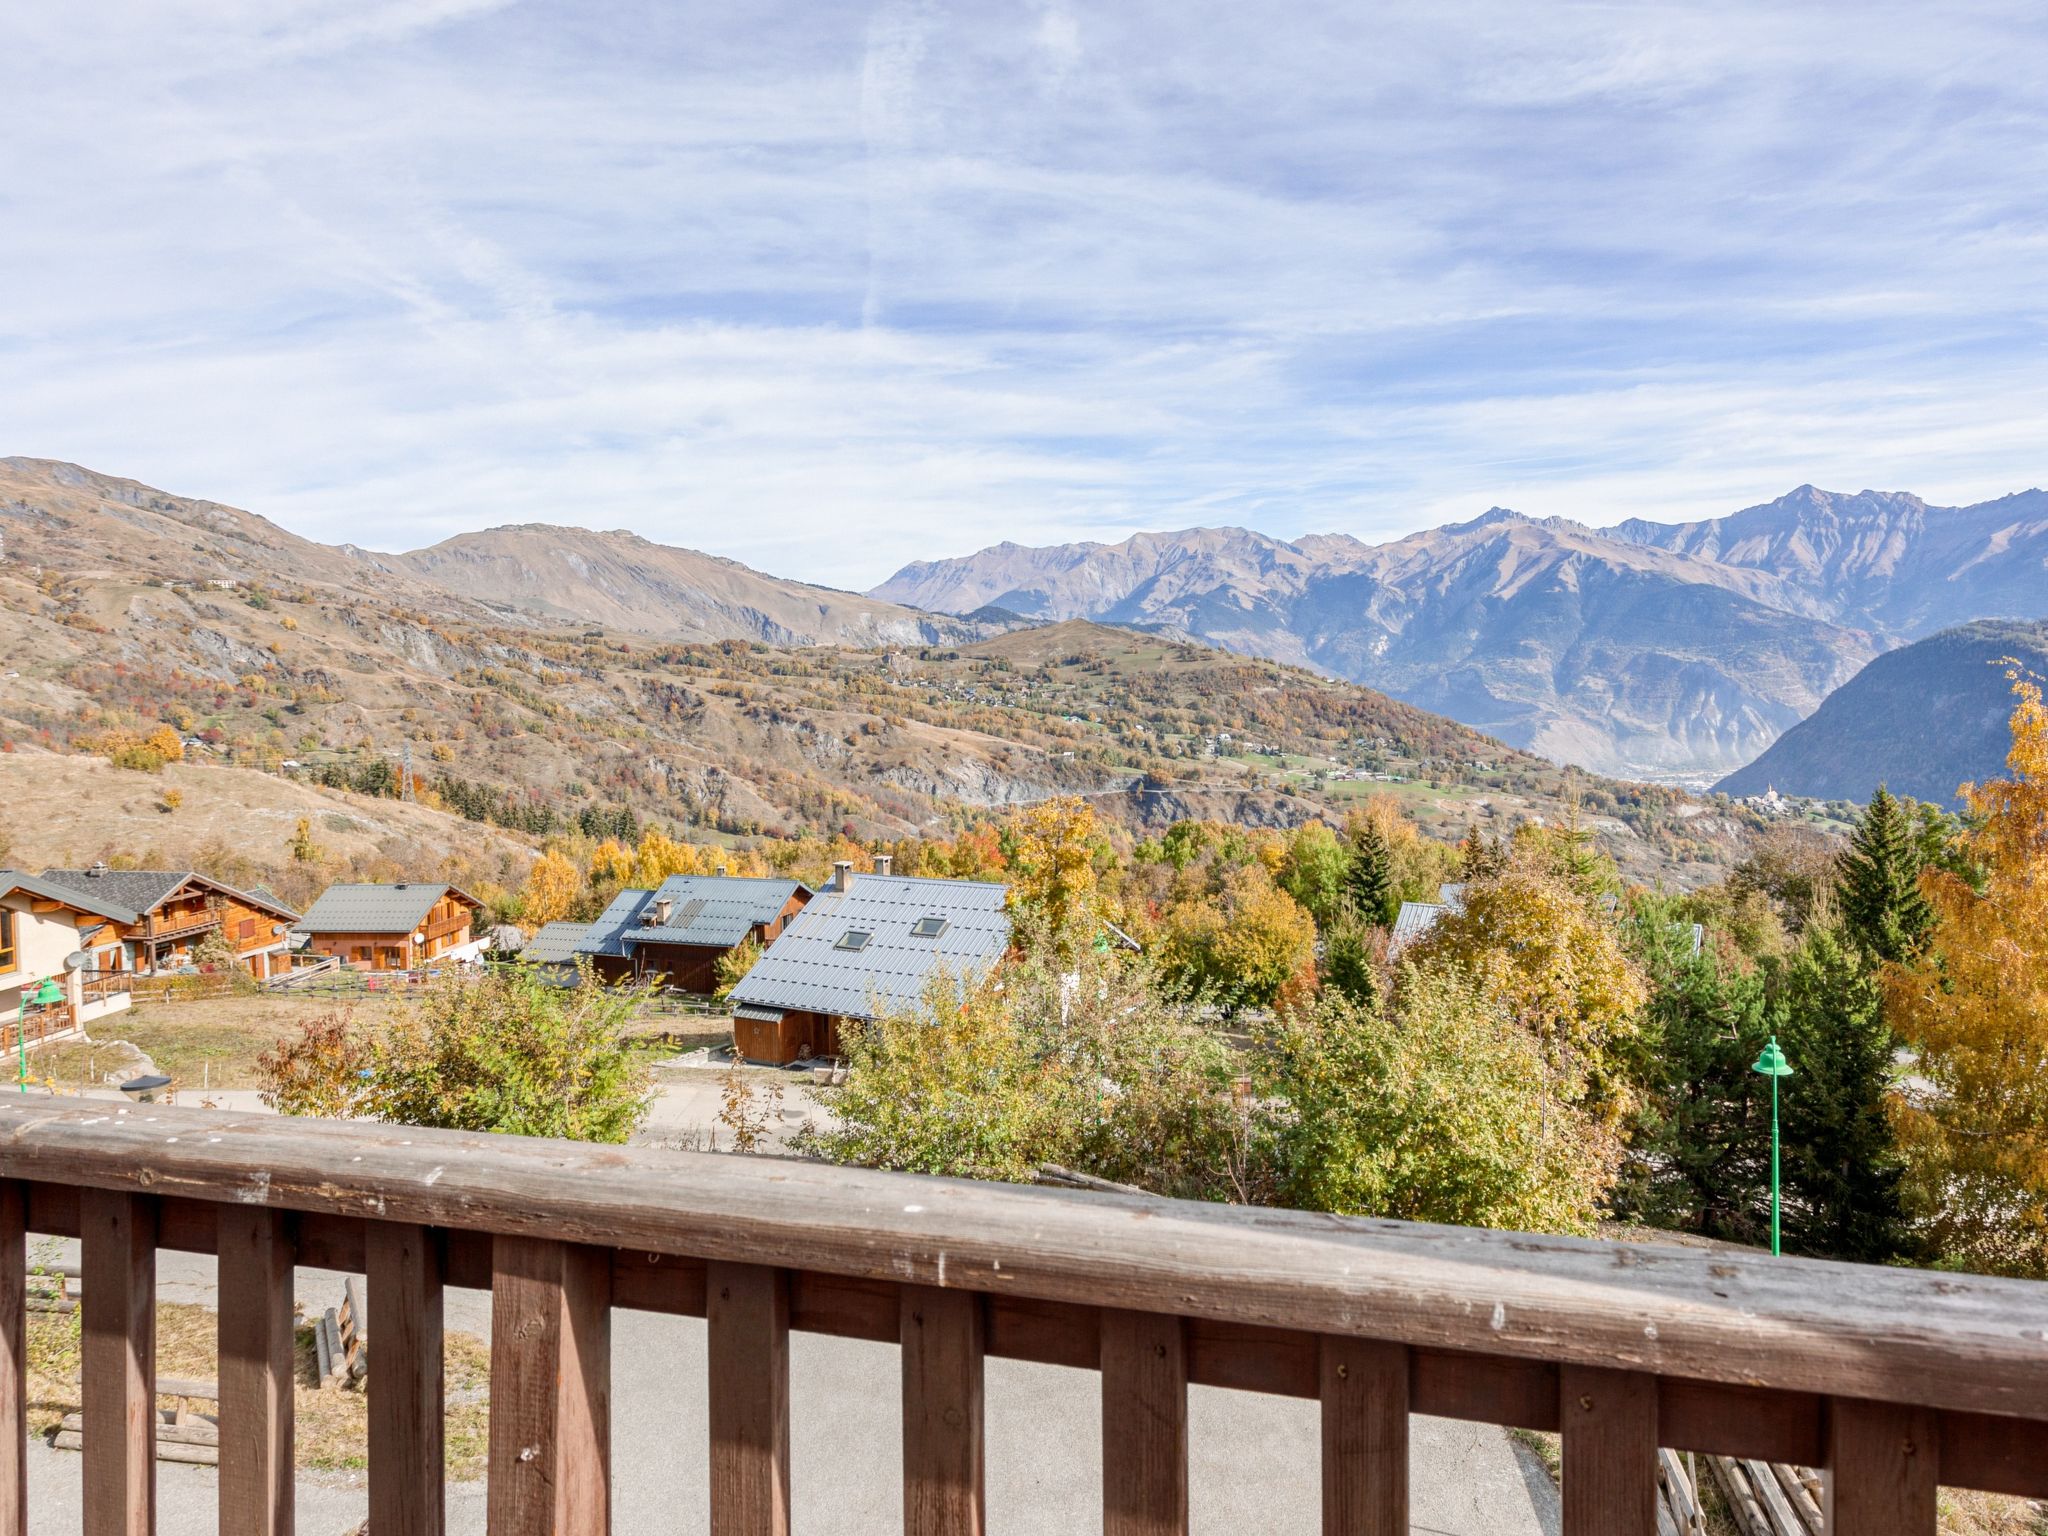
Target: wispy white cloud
828, 288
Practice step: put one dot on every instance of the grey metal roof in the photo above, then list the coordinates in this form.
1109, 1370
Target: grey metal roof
717, 911
375, 908
603, 937
805, 969
555, 943
1414, 920
146, 889
50, 890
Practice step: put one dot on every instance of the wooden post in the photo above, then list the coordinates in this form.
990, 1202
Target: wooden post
943, 1337
747, 1320
1883, 1464
550, 1453
1364, 1387
1609, 1419
13, 1358
118, 1270
255, 1339
1144, 1425
405, 1266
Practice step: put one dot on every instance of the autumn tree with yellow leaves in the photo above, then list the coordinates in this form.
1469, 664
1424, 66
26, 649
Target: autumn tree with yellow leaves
553, 887
1974, 1007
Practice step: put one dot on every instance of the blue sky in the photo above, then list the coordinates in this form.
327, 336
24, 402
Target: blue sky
829, 287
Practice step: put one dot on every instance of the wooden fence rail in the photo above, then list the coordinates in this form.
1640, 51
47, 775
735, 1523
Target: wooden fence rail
1892, 1381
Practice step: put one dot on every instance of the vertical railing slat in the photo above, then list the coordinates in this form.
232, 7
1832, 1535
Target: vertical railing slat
1609, 1419
747, 1321
1883, 1467
1144, 1425
943, 1340
254, 1246
1364, 1385
117, 1270
550, 1446
13, 1358
405, 1266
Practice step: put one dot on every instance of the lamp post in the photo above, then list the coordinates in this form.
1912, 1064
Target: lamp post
1772, 1064
49, 992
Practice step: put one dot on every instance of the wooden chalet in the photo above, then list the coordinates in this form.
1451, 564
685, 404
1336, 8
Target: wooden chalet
397, 927
176, 910
49, 933
677, 933
865, 945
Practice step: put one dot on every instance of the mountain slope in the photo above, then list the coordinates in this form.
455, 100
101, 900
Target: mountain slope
122, 608
622, 581
1606, 652
1922, 719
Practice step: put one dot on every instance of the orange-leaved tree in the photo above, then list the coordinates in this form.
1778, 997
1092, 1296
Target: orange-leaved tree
1974, 1006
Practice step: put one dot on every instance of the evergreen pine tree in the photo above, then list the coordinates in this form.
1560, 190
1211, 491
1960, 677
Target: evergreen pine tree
1841, 1165
1878, 885
1349, 953
1369, 882
1701, 1155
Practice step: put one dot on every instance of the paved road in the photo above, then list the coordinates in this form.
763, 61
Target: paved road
1252, 1466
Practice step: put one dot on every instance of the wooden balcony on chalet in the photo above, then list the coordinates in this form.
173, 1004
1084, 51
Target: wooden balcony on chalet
1893, 1381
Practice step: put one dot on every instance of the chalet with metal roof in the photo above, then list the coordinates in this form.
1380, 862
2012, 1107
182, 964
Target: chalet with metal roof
866, 945
397, 927
176, 911
1416, 918
677, 933
52, 940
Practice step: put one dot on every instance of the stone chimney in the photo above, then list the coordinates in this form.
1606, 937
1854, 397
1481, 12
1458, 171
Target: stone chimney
842, 874
721, 871
882, 863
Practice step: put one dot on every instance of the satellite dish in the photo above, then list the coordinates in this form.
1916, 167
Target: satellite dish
78, 960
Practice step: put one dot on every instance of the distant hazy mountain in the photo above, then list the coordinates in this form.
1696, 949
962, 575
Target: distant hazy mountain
1922, 719
623, 581
1644, 649
1882, 559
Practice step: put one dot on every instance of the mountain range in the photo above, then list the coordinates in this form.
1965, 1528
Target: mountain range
1925, 718
1648, 649
534, 677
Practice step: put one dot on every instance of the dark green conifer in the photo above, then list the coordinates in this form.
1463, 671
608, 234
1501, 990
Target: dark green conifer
1841, 1165
1878, 885
1369, 882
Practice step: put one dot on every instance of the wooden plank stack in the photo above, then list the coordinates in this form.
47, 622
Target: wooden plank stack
338, 1344
1768, 1498
183, 1433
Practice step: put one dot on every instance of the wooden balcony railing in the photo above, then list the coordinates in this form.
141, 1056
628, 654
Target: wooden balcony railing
1892, 1380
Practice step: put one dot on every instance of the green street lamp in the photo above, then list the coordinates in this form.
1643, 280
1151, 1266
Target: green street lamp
1772, 1064
49, 992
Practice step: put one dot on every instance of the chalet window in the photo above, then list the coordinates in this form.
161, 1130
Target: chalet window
855, 940
6, 940
928, 927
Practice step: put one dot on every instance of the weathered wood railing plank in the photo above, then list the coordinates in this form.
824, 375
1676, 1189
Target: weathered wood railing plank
256, 1369
117, 1266
747, 1355
13, 1358
1144, 1425
943, 1343
551, 1360
403, 1265
1610, 1452
1365, 1438
1883, 1466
